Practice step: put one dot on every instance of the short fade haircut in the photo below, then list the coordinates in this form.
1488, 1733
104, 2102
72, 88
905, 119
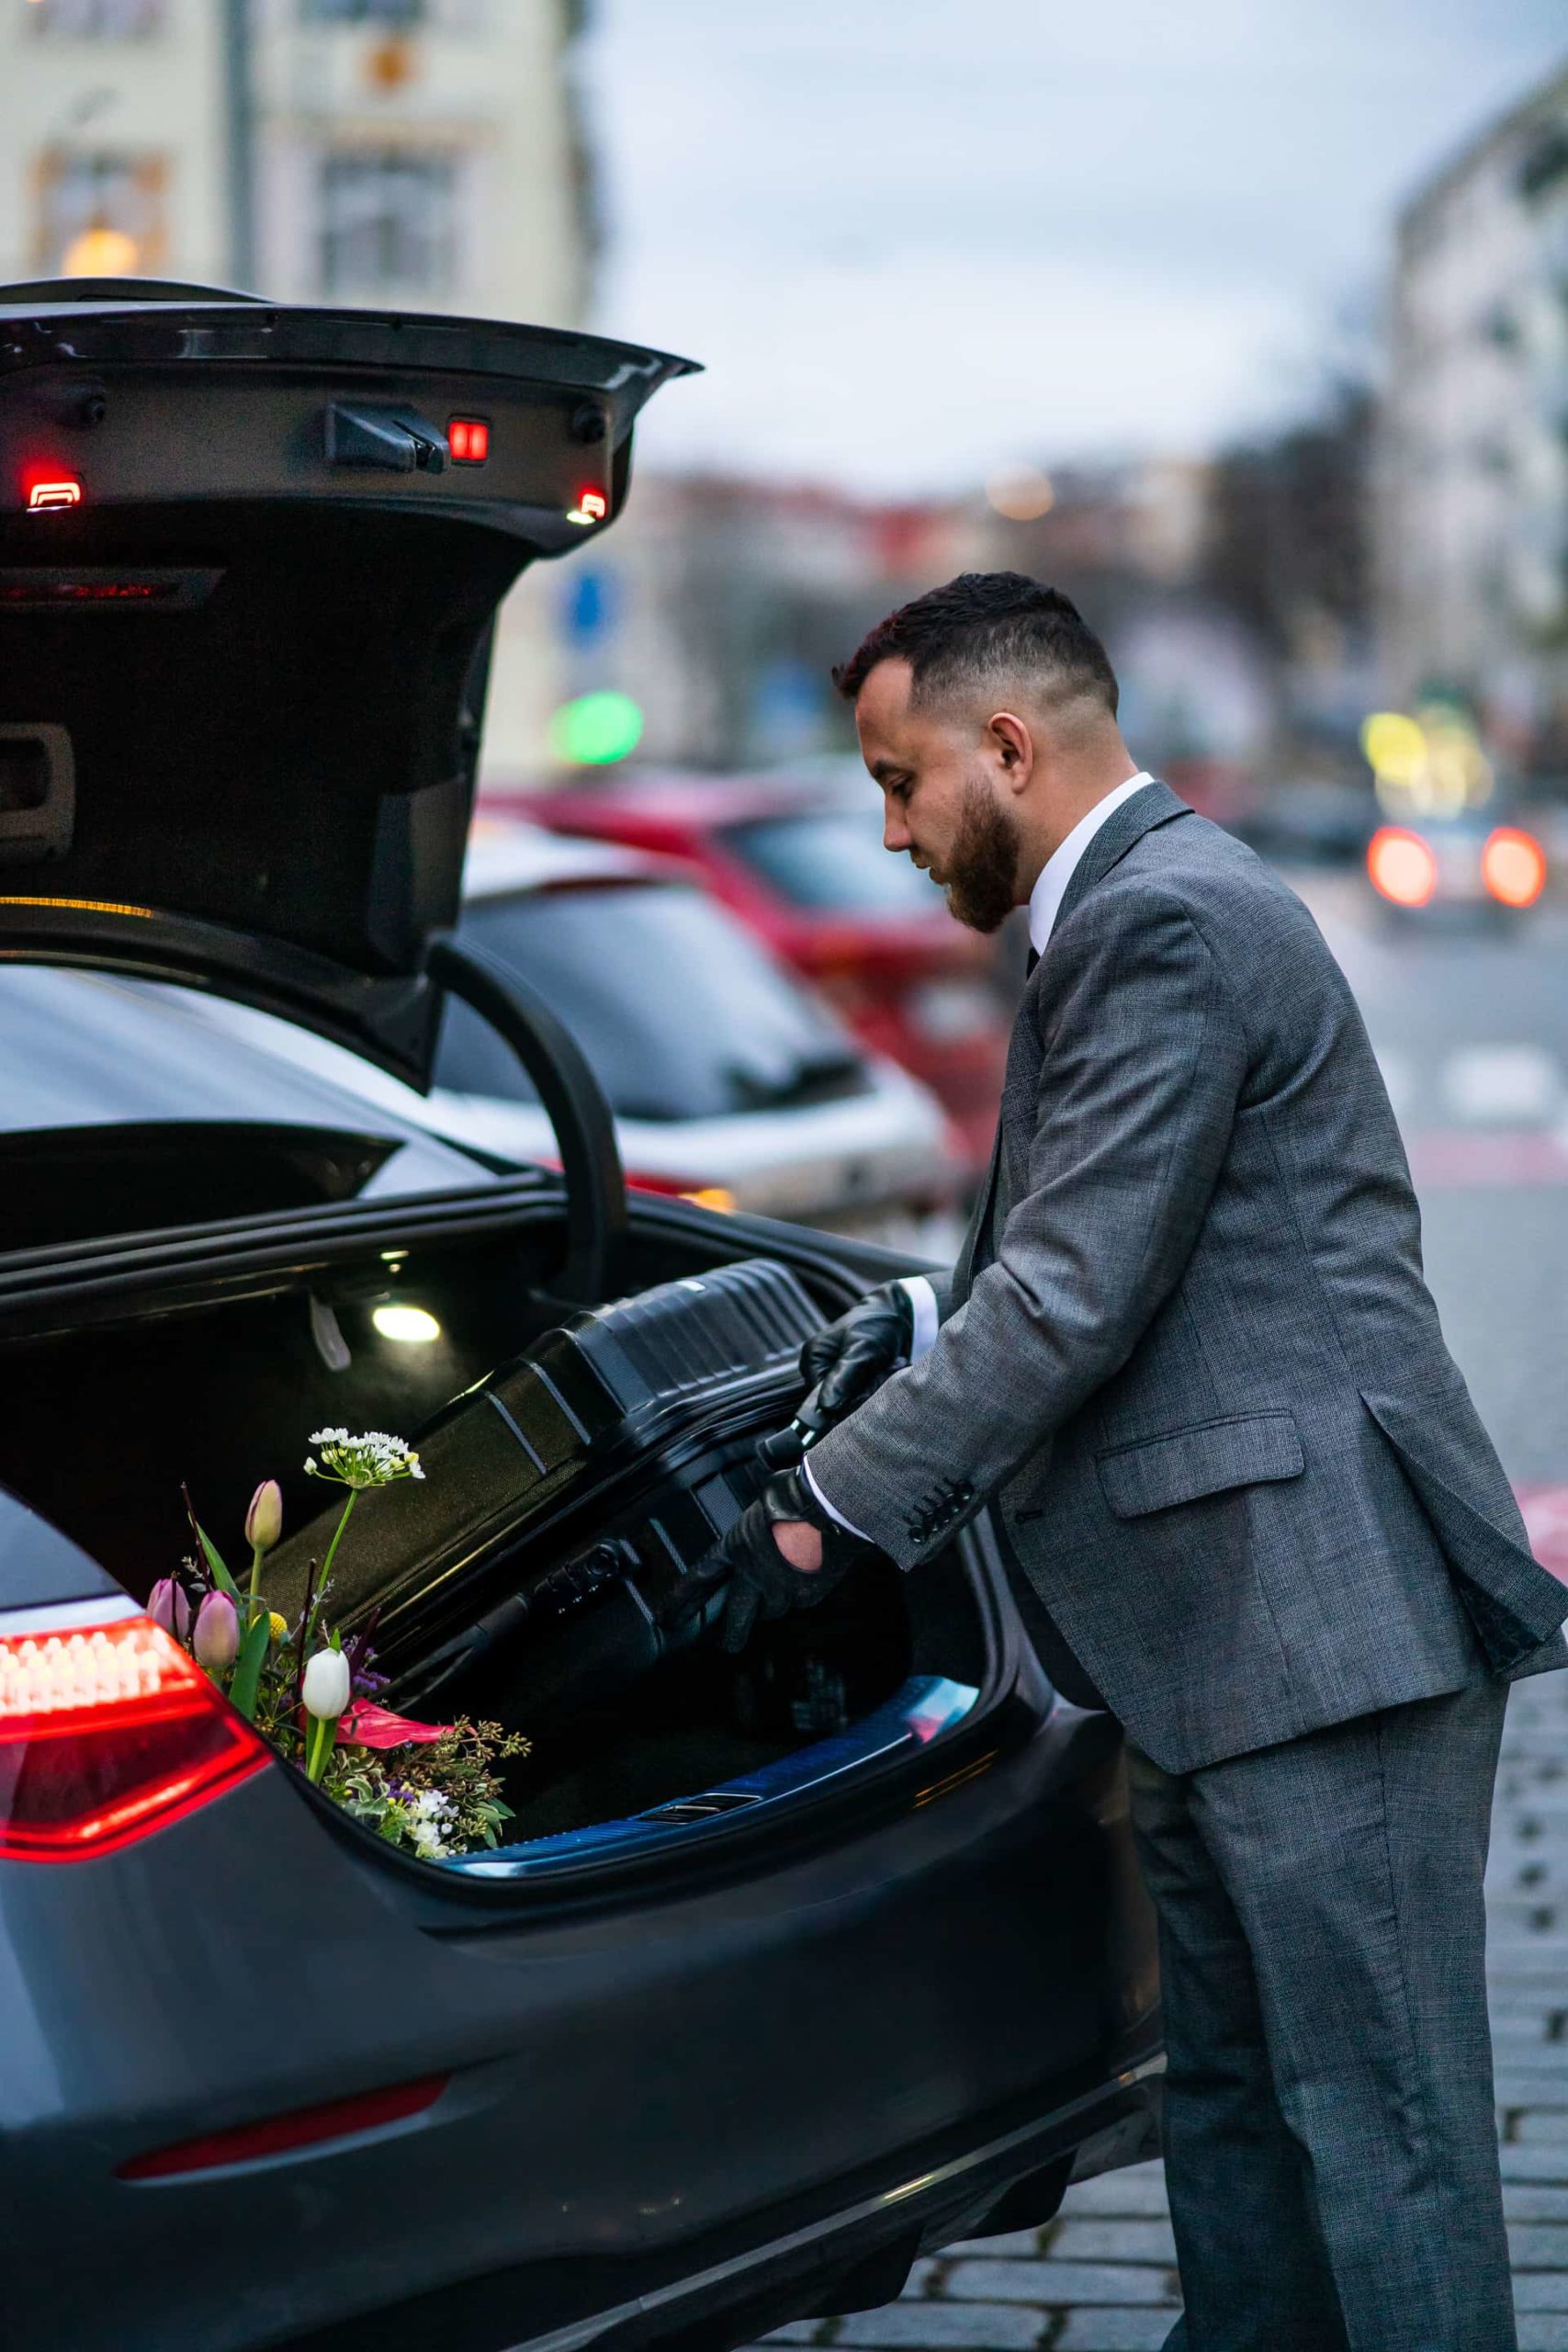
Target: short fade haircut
988, 629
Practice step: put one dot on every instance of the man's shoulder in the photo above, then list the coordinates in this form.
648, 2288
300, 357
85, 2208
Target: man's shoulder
1237, 900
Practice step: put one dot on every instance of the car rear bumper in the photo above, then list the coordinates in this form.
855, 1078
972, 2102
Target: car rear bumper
804, 2269
646, 2102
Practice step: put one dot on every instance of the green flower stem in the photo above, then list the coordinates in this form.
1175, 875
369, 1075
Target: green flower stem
324, 1733
337, 1537
254, 1589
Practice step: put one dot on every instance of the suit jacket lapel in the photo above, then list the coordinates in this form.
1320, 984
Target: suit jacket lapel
1139, 814
1154, 805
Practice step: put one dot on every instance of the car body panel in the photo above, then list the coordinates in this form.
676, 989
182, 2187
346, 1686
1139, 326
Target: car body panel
124, 1052
947, 1962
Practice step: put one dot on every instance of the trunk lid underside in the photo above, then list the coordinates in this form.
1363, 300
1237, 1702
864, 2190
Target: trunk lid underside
245, 598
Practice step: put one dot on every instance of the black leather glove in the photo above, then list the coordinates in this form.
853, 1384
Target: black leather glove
759, 1581
855, 1354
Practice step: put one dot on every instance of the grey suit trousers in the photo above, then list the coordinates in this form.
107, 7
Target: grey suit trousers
1329, 2121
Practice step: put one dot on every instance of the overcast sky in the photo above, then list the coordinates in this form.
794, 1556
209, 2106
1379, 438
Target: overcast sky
918, 240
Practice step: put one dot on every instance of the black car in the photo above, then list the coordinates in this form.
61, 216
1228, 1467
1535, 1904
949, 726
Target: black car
793, 1963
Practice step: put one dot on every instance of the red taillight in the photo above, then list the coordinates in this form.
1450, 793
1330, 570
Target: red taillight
303, 2127
1513, 866
1402, 867
467, 437
62, 490
591, 507
107, 1731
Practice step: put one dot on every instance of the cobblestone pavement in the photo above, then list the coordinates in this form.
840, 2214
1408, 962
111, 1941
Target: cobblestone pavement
1101, 2276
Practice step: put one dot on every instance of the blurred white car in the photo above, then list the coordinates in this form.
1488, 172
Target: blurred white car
729, 1080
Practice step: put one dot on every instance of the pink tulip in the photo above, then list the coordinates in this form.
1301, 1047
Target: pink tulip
216, 1640
168, 1607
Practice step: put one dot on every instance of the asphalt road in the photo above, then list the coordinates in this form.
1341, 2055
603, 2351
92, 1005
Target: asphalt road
1472, 1031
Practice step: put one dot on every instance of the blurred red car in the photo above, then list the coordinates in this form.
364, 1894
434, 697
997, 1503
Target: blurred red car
808, 873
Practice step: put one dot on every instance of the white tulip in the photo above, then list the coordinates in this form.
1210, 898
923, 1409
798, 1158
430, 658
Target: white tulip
326, 1686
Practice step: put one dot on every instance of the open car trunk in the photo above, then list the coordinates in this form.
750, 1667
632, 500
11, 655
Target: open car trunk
578, 1463
249, 560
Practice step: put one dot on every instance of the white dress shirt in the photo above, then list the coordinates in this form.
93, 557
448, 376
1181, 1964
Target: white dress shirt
1044, 906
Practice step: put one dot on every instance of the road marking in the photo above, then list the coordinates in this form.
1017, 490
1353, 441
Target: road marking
1545, 1513
1501, 1085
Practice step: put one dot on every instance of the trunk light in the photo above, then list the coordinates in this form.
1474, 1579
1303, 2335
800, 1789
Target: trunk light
411, 1325
591, 507
108, 1731
467, 437
64, 491
303, 2127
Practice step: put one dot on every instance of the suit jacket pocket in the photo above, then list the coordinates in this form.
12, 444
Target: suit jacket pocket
1244, 1451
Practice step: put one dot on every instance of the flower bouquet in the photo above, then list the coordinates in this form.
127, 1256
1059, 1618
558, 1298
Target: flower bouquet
431, 1787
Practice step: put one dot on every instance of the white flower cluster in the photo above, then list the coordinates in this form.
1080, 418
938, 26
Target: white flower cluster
374, 1460
431, 1815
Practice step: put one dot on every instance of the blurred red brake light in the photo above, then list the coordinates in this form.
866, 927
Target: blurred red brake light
1400, 867
1513, 866
108, 1731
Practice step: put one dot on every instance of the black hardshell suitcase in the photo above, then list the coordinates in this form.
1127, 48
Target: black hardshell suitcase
566, 1497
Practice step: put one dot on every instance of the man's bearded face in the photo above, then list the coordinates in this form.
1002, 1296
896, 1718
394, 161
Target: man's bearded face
980, 871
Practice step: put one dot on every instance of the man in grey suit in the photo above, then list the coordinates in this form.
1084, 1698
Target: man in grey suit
1188, 1354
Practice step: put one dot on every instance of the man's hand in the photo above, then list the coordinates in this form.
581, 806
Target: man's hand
783, 1552
855, 1354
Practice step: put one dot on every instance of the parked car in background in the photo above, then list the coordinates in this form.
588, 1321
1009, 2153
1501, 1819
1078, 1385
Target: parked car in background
808, 872
1473, 865
730, 1082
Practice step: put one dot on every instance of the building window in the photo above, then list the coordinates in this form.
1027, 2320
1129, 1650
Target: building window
100, 213
388, 221
97, 19
396, 16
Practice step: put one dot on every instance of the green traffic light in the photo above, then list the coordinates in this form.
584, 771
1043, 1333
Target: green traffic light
594, 729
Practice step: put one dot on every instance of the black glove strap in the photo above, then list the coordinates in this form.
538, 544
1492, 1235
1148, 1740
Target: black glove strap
790, 1495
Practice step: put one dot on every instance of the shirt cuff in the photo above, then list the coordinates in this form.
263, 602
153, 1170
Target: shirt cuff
836, 1516
925, 1318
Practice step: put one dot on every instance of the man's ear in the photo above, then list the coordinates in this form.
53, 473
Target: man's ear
1014, 745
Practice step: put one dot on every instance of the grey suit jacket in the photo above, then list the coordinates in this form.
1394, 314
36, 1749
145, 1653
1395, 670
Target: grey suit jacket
1187, 1347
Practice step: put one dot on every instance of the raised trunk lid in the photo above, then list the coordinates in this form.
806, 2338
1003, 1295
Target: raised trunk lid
247, 578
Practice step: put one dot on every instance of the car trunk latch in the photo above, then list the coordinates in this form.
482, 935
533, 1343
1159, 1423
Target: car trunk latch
397, 440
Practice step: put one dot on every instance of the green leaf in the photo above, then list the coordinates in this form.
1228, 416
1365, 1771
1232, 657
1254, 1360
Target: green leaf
247, 1671
220, 1575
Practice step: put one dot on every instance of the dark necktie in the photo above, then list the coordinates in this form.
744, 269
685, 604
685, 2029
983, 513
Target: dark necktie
1033, 959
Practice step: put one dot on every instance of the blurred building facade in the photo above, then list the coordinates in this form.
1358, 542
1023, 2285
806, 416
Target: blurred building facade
1473, 497
418, 154
719, 606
